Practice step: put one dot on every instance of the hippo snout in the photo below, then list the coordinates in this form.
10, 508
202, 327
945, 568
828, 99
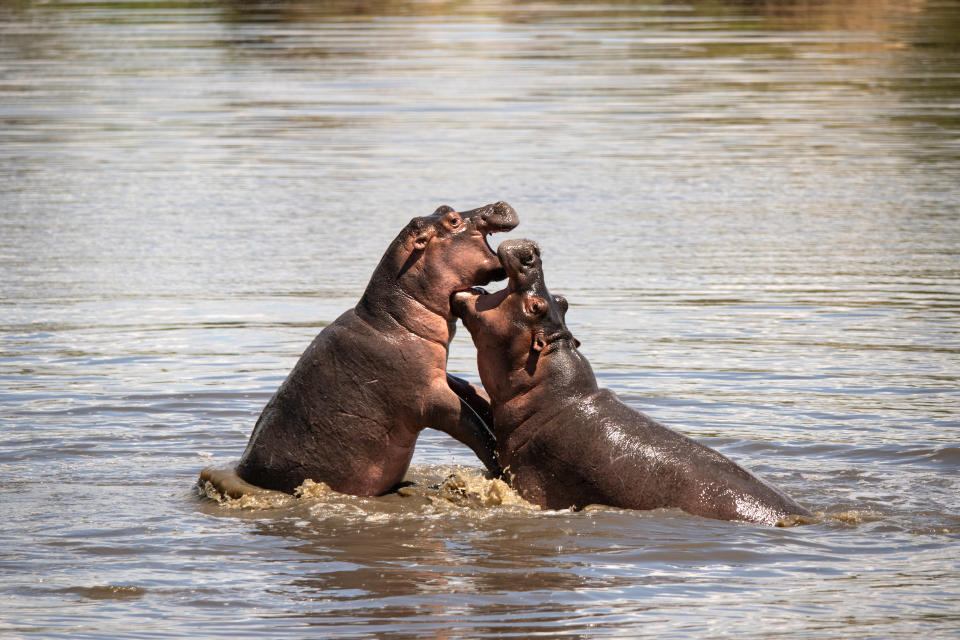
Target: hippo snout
521, 262
493, 218
520, 250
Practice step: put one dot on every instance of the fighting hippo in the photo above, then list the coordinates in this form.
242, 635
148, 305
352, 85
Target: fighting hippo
350, 411
567, 443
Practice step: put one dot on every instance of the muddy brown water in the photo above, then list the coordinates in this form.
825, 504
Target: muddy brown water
751, 206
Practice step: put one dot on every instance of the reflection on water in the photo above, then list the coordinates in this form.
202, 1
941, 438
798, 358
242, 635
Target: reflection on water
752, 207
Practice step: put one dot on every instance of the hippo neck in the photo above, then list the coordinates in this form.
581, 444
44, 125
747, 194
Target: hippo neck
386, 305
562, 377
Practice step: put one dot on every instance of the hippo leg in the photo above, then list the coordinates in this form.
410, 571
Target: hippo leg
474, 397
454, 416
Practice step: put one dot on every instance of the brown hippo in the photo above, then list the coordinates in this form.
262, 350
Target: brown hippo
350, 411
566, 443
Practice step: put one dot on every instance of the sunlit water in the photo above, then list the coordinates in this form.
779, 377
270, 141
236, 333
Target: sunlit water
752, 207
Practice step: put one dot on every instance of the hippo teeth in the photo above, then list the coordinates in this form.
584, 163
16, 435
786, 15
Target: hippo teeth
486, 239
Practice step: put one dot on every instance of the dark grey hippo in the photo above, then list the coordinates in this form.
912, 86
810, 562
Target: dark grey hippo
350, 411
563, 441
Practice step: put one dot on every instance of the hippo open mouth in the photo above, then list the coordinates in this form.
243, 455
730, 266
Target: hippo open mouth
485, 235
493, 218
487, 220
521, 263
510, 268
486, 240
516, 258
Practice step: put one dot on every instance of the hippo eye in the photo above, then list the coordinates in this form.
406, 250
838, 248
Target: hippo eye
535, 305
527, 259
454, 220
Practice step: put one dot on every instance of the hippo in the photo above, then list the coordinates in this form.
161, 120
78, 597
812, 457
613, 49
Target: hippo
564, 442
350, 411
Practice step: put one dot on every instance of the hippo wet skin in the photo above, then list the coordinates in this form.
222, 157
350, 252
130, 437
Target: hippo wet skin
350, 411
566, 443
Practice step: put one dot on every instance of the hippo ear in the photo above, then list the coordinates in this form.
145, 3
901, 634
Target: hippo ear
418, 232
539, 341
563, 304
420, 242
422, 238
534, 305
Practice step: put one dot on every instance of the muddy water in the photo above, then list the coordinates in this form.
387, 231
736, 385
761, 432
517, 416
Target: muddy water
752, 207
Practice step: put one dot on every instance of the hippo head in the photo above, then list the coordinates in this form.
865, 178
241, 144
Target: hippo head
515, 328
437, 255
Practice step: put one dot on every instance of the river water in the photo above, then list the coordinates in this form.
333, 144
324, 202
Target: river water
752, 207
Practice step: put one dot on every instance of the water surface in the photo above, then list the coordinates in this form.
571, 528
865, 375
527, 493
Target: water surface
751, 206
